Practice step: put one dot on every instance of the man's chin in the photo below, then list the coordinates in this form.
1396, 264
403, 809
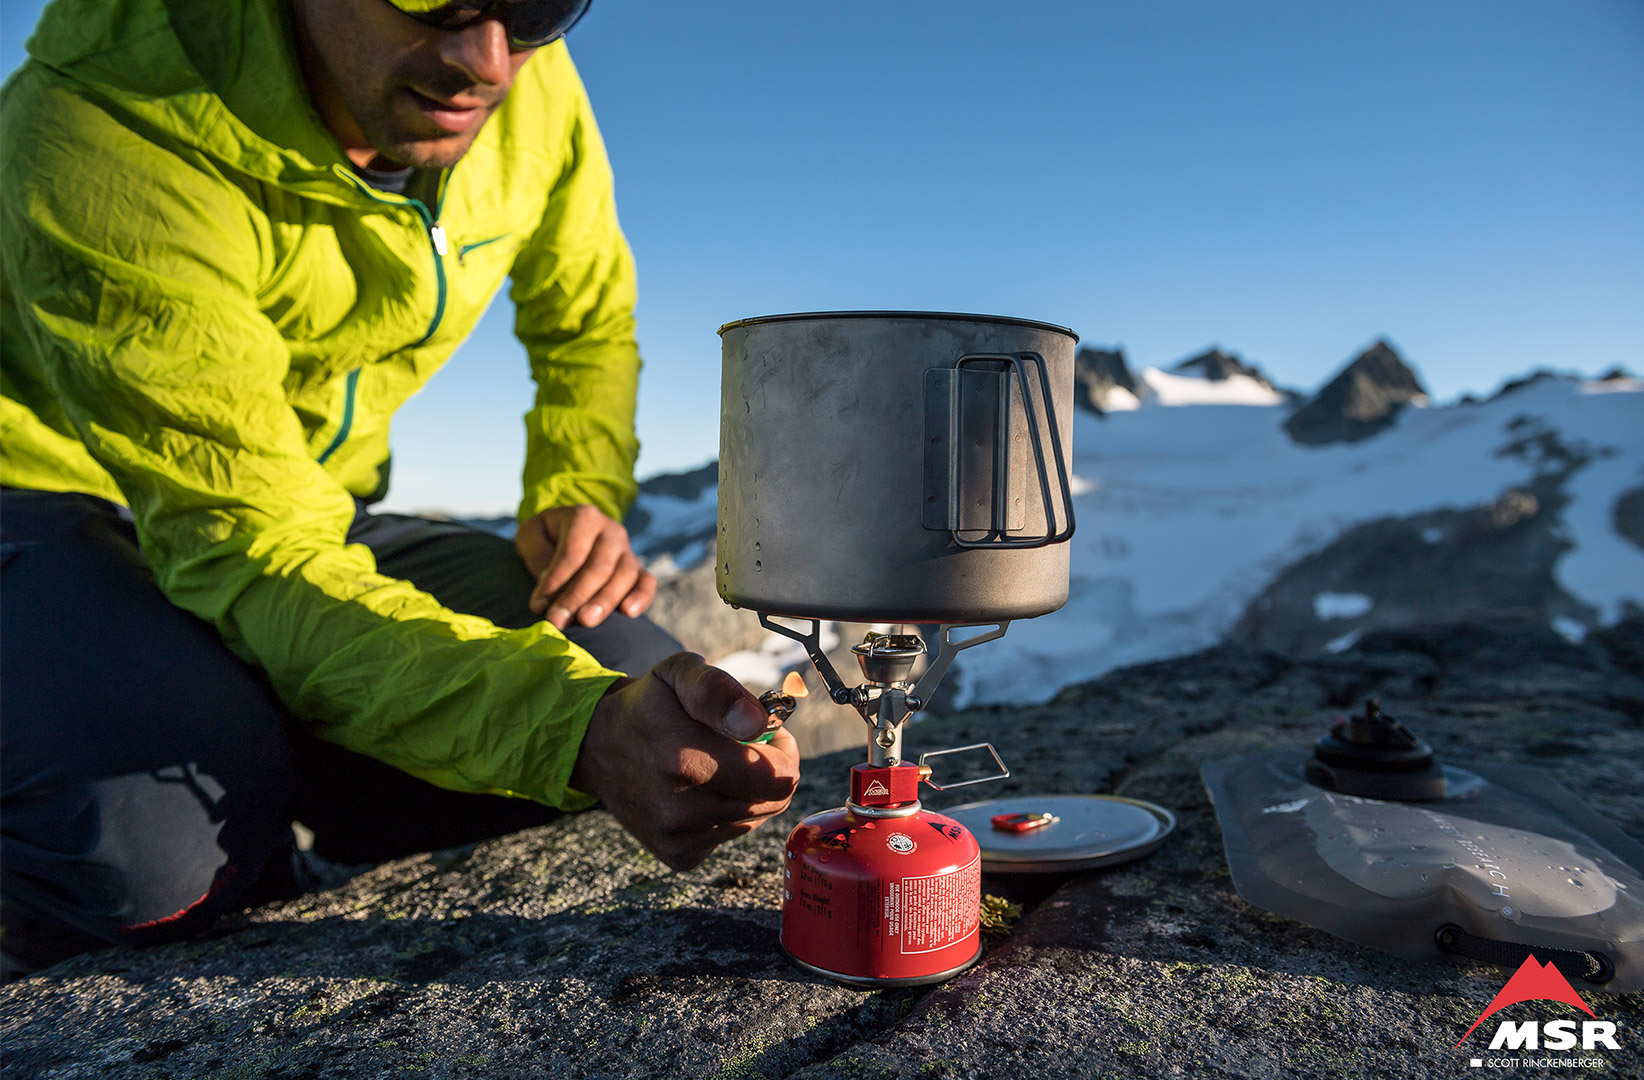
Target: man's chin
408, 129
432, 154
413, 141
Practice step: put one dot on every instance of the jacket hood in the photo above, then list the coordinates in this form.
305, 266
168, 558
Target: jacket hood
218, 76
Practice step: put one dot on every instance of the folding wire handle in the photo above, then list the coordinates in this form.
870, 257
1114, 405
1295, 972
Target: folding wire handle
1004, 770
1018, 363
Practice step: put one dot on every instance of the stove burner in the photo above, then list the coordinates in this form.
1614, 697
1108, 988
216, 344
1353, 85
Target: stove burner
886, 659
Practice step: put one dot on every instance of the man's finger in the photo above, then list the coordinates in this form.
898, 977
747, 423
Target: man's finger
640, 596
761, 812
713, 697
561, 603
576, 540
785, 744
624, 576
711, 810
742, 811
740, 784
779, 753
763, 774
596, 570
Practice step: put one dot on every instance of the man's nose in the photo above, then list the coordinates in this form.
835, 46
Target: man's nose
481, 51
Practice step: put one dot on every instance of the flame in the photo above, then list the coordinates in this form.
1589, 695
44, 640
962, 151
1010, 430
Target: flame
794, 685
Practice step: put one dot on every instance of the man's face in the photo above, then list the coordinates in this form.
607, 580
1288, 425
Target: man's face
387, 86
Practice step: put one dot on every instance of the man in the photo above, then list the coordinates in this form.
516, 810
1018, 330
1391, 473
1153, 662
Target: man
234, 236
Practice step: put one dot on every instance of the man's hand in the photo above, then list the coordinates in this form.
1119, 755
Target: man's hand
583, 566
663, 754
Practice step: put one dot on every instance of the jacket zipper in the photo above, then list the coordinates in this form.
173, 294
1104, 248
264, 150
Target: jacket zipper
436, 237
437, 240
347, 416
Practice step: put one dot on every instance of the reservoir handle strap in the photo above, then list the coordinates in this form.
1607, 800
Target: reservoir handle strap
1593, 966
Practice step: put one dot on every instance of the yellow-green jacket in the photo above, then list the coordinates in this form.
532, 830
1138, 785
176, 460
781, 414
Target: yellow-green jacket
205, 315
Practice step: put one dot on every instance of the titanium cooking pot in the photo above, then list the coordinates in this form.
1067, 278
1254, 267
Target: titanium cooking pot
895, 466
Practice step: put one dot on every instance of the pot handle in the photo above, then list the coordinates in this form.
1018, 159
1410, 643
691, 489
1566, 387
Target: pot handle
942, 464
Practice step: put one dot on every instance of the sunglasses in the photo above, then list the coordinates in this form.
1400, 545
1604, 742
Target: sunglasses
530, 24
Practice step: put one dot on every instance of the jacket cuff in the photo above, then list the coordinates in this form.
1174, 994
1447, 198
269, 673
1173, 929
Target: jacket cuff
559, 760
610, 495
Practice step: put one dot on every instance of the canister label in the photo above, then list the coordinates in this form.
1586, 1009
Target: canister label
937, 910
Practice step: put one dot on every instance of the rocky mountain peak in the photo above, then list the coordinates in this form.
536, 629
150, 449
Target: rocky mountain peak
1097, 375
1539, 375
1216, 365
1360, 401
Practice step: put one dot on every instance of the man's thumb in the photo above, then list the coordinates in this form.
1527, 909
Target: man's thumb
745, 721
714, 697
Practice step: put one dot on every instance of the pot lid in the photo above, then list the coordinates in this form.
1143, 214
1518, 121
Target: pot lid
1041, 834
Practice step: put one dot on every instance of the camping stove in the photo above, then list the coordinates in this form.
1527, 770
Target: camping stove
880, 891
892, 467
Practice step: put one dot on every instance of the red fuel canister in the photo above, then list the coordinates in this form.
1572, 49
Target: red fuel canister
882, 895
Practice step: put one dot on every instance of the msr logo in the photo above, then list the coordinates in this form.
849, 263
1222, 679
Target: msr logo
876, 788
1539, 982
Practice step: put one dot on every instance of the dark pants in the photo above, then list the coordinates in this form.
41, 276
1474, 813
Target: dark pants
149, 775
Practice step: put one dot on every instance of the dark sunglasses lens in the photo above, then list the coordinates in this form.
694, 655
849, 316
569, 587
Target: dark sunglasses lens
532, 23
452, 16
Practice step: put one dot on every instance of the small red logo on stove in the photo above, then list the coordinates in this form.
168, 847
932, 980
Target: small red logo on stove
876, 788
1534, 981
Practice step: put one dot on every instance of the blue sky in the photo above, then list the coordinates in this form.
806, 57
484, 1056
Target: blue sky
1288, 180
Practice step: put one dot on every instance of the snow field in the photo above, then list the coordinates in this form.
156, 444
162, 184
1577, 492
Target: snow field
1192, 503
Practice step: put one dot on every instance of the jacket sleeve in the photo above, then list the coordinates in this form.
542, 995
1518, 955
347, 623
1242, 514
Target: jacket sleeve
573, 290
136, 283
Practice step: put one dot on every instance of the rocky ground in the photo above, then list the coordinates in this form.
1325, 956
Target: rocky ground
567, 952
